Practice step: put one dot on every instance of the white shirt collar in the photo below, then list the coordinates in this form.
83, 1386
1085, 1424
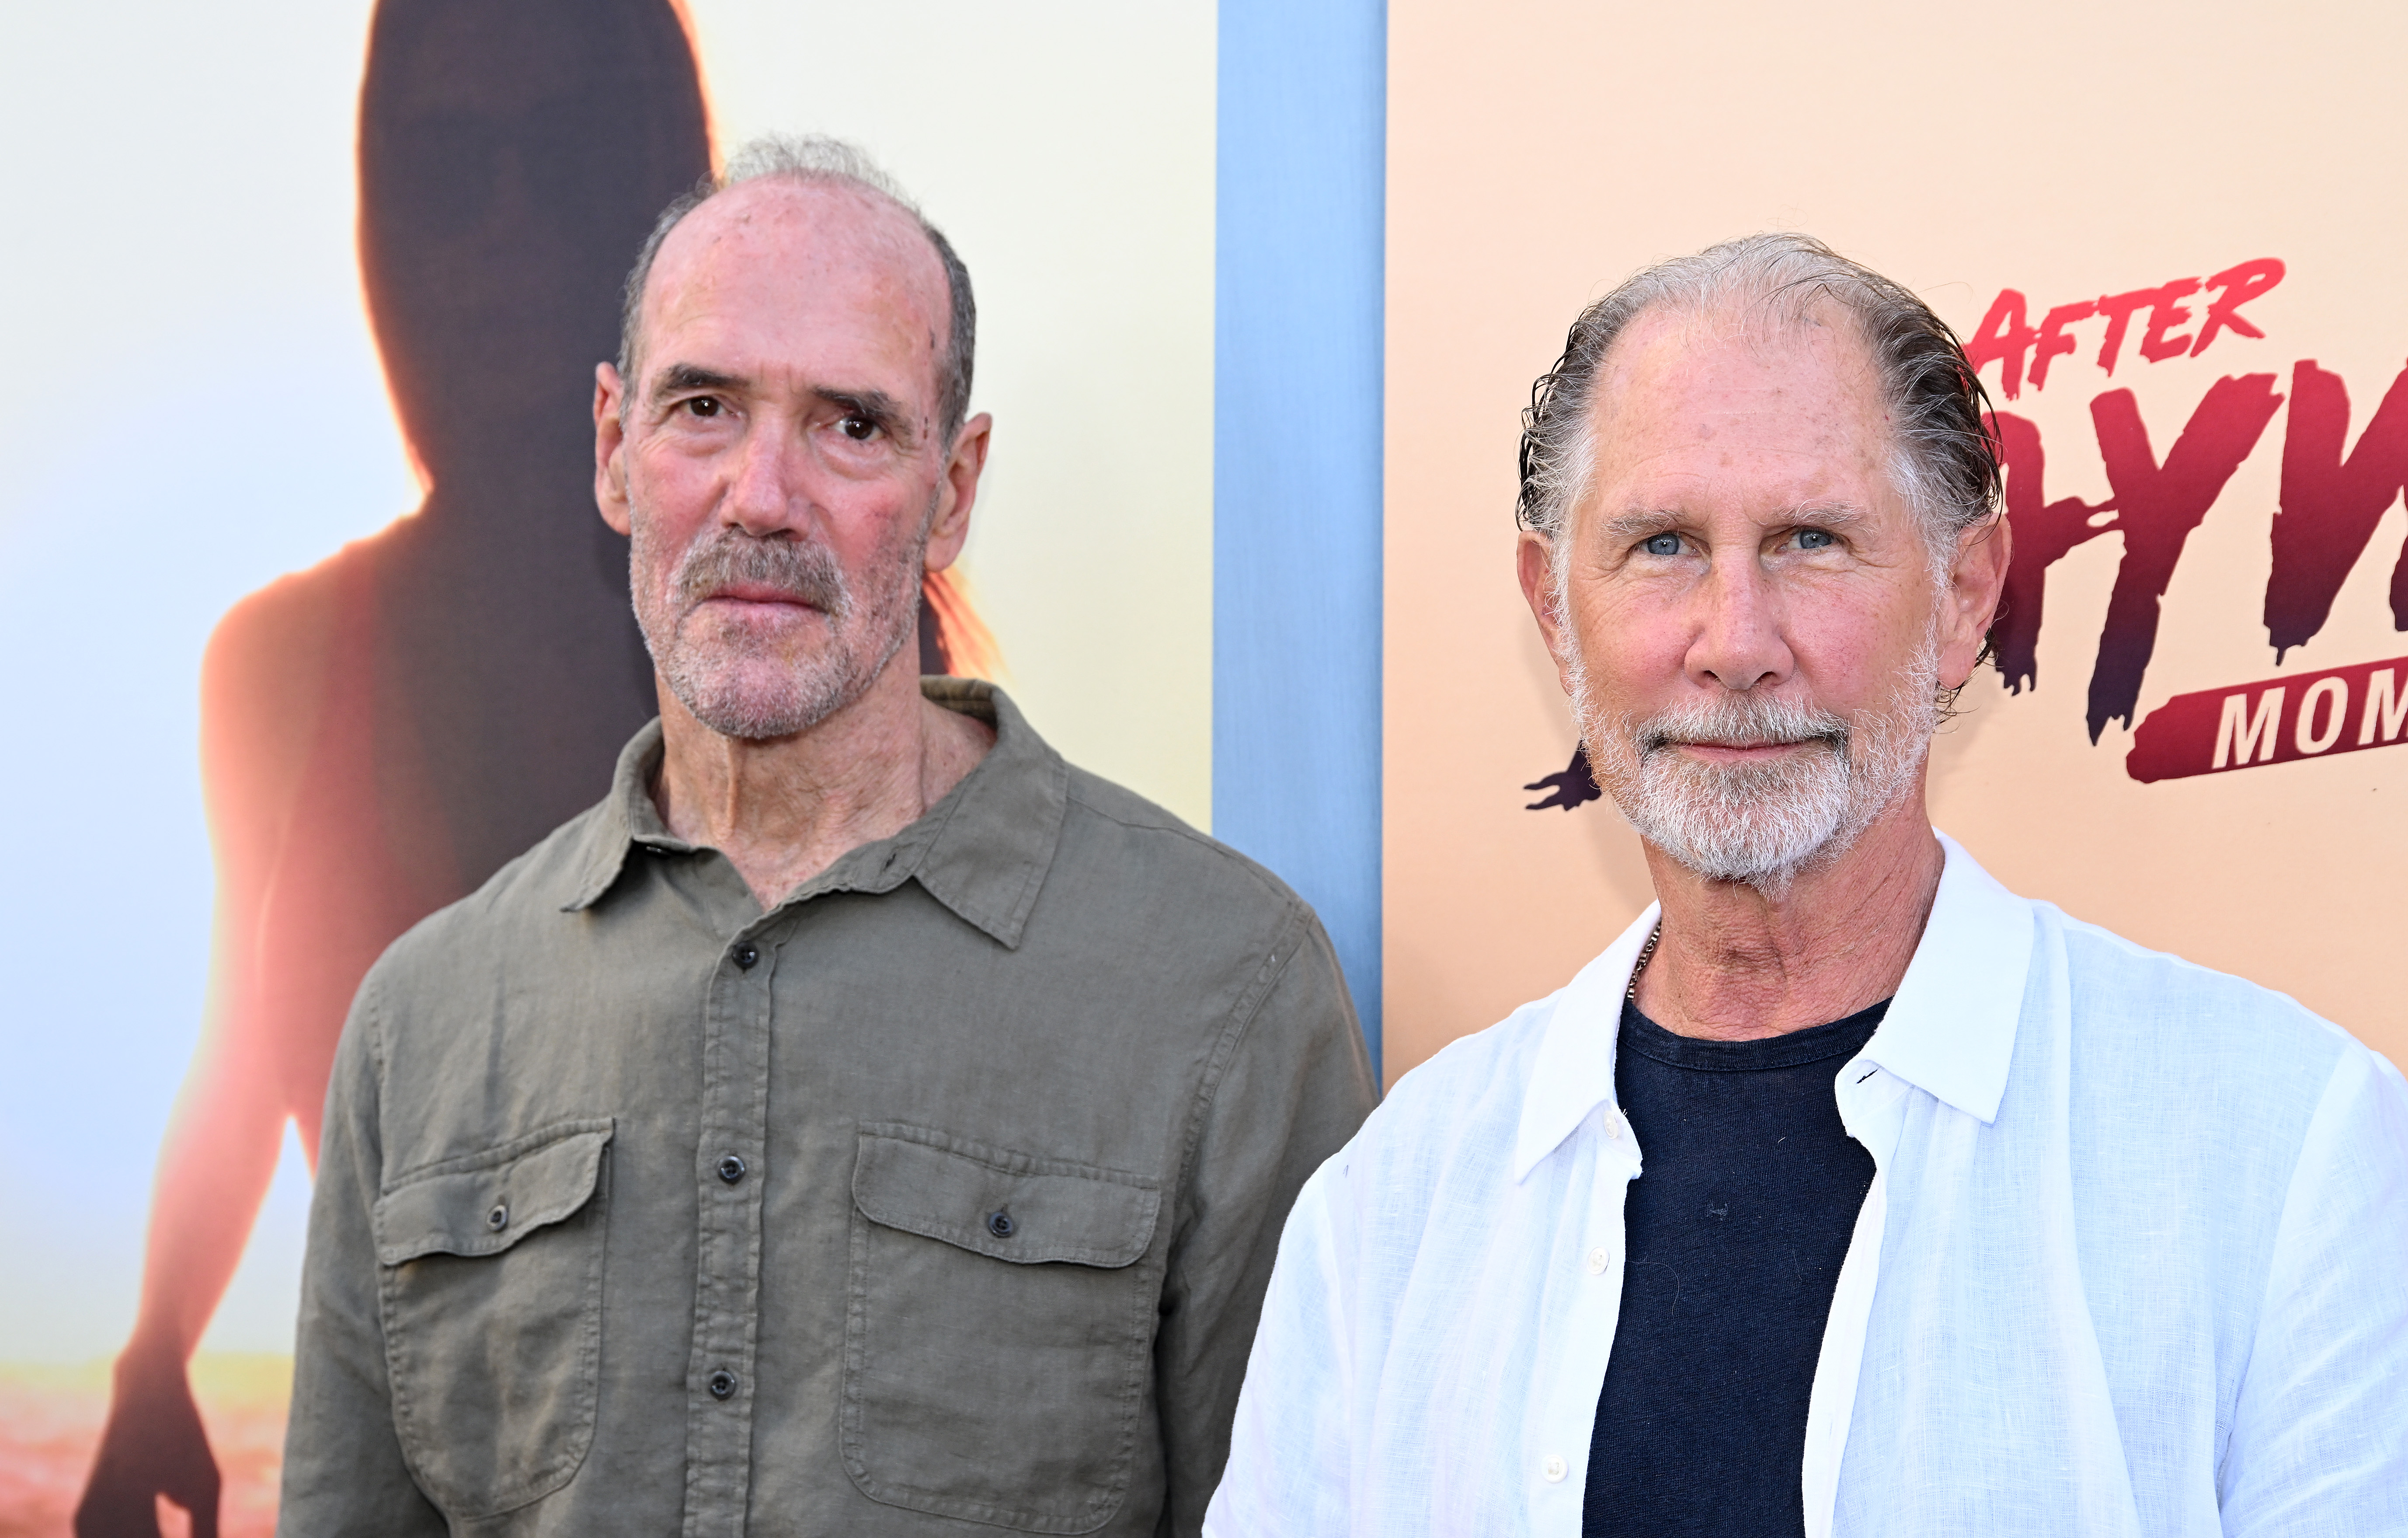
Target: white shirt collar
1572, 1073
1950, 1030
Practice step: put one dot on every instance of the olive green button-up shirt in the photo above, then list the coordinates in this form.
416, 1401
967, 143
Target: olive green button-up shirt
939, 1199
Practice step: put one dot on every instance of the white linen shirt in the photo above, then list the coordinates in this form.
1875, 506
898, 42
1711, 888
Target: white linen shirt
2134, 1261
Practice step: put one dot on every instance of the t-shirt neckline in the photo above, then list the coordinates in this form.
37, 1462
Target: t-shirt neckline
1793, 1049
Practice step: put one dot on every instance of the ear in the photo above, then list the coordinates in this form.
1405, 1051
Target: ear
1534, 563
1975, 585
951, 526
610, 449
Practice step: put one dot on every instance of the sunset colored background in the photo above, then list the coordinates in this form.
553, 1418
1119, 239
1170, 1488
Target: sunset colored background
1262, 293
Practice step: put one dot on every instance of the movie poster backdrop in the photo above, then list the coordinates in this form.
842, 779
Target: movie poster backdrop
318, 624
2171, 239
313, 623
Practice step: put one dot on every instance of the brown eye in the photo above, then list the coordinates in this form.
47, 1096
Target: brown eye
705, 406
858, 428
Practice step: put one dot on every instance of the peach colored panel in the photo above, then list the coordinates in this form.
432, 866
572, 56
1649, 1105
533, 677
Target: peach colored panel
1538, 152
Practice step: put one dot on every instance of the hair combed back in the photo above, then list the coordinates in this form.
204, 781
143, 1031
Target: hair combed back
814, 157
1945, 462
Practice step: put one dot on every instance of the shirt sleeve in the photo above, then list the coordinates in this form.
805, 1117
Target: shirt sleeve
2319, 1440
1296, 1085
343, 1468
1291, 1454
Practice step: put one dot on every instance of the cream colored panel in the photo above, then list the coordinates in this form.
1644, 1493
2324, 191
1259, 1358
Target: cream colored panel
1068, 155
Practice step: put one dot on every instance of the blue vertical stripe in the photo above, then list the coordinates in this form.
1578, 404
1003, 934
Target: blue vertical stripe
1298, 408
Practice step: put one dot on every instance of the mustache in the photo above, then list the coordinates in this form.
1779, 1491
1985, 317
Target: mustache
793, 568
1739, 720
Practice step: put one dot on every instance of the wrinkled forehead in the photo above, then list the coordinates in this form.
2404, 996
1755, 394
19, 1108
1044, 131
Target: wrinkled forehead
1716, 385
1803, 350
783, 250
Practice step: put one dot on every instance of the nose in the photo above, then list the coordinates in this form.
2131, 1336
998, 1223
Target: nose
1737, 641
764, 491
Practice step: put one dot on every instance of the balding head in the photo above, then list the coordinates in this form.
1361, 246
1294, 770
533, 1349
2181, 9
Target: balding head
864, 207
785, 443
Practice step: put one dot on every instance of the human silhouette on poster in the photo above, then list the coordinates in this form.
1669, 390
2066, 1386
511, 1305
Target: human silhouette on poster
382, 732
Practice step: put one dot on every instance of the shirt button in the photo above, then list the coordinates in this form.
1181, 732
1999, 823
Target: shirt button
1596, 1261
499, 1218
723, 1385
1553, 1468
731, 1168
746, 956
1000, 1225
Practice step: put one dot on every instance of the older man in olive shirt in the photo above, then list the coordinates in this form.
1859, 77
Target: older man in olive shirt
862, 1121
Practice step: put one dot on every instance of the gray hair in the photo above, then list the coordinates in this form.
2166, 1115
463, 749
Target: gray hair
1945, 462
816, 158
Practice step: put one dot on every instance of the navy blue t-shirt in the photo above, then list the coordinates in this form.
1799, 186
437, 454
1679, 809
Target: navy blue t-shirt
1736, 1229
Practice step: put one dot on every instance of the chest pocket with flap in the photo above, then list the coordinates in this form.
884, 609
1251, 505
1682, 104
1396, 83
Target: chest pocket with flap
491, 1273
999, 1332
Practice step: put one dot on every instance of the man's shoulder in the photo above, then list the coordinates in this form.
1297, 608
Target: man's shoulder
1105, 822
2118, 985
2158, 1041
1488, 1068
1456, 1115
495, 920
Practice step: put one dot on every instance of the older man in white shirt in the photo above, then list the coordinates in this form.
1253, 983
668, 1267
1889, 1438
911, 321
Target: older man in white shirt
1847, 1191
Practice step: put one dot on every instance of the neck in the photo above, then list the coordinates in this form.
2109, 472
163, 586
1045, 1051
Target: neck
1738, 963
783, 809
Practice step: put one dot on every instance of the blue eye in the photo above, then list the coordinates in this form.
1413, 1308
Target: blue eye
1663, 544
1815, 539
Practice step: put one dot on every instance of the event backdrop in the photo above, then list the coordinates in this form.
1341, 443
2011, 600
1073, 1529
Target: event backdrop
314, 623
2174, 236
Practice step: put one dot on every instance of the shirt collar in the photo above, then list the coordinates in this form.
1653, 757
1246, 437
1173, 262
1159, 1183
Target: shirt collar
1574, 1071
1950, 1028
626, 816
982, 851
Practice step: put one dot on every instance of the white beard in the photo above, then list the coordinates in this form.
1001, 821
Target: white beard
1761, 823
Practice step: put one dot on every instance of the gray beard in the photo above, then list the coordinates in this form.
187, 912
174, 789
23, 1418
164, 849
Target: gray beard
1761, 823
727, 677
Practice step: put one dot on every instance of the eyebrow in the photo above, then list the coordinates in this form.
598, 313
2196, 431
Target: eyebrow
1641, 521
677, 378
1829, 514
1633, 524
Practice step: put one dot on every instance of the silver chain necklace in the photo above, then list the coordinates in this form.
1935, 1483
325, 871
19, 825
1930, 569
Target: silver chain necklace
1646, 953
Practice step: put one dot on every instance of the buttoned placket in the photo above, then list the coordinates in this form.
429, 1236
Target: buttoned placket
737, 1018
1872, 1107
1585, 1303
